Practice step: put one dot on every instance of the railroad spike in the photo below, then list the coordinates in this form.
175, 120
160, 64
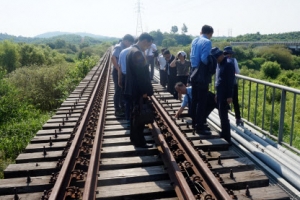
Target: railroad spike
16, 197
44, 151
231, 174
59, 127
247, 193
182, 120
28, 177
51, 142
219, 160
187, 125
208, 152
55, 134
63, 121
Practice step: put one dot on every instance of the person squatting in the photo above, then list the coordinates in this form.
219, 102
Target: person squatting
179, 76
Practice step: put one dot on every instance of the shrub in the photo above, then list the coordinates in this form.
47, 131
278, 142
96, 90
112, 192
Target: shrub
271, 69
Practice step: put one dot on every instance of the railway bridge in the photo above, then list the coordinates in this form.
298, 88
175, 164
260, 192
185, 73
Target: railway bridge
84, 150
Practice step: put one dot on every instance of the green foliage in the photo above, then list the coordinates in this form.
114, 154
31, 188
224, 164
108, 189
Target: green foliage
184, 29
258, 62
9, 56
249, 64
271, 69
296, 62
157, 36
277, 53
169, 42
174, 29
290, 36
39, 85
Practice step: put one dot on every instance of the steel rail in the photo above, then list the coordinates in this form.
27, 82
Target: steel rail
215, 188
63, 179
91, 179
181, 187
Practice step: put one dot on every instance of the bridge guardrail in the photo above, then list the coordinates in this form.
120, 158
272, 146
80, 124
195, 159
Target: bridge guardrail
261, 110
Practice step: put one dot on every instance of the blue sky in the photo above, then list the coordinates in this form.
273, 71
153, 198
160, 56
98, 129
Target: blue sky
119, 17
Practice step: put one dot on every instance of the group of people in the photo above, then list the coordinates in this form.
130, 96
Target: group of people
206, 61
132, 81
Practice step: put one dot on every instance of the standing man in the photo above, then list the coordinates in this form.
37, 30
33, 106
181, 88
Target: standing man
235, 99
224, 86
161, 61
150, 58
171, 72
126, 42
138, 85
200, 76
121, 82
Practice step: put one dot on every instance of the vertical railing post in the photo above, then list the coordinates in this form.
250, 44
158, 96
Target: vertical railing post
249, 101
256, 99
281, 120
264, 109
293, 117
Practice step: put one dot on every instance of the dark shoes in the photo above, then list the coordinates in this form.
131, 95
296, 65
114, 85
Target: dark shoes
119, 113
203, 132
147, 145
239, 122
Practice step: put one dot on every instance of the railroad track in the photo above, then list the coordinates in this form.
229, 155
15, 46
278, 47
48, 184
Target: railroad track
84, 152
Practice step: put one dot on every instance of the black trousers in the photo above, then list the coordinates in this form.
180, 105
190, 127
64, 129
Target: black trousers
171, 84
223, 114
199, 101
163, 77
235, 101
136, 128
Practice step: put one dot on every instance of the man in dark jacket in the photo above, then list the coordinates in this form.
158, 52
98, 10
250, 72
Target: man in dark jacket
224, 86
171, 72
138, 85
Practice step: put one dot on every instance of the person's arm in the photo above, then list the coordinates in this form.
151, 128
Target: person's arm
120, 77
173, 63
115, 62
179, 112
205, 52
236, 66
229, 75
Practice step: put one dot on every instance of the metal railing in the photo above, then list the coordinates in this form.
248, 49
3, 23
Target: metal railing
271, 108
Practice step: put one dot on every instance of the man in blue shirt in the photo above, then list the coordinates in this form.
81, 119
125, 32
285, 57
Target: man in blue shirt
187, 101
126, 42
200, 51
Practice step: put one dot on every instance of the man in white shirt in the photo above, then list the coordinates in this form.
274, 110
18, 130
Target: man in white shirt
161, 62
150, 58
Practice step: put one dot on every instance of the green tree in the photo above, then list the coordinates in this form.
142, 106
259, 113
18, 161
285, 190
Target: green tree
184, 29
9, 56
157, 36
169, 42
174, 29
271, 69
60, 43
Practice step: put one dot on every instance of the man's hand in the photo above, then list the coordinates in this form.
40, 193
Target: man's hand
229, 100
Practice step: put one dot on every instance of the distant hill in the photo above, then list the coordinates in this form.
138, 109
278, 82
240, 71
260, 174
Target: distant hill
50, 36
82, 34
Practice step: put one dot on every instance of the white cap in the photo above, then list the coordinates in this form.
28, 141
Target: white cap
182, 53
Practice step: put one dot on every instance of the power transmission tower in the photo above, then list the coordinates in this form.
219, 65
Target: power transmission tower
139, 27
230, 32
